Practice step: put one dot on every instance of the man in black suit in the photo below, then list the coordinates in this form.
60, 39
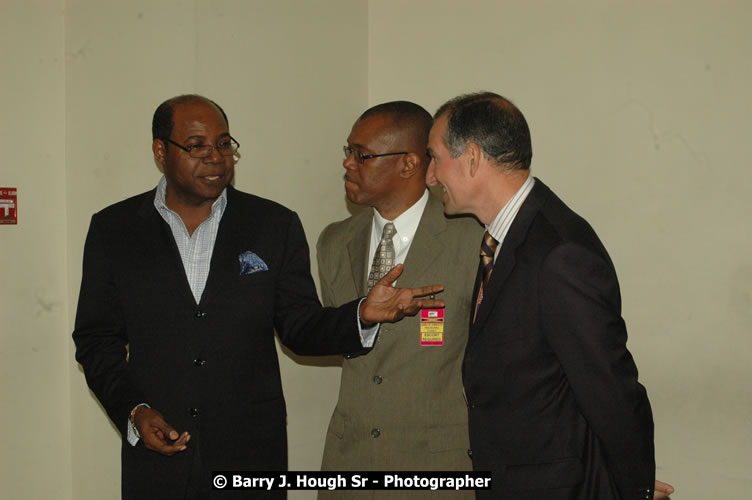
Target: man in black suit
182, 289
555, 407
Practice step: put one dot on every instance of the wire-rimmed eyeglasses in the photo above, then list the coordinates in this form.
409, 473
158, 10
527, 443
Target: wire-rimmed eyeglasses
361, 157
227, 146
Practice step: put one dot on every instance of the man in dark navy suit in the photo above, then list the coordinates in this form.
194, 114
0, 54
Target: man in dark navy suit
182, 289
555, 408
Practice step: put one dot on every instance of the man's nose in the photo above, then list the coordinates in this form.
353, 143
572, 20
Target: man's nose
214, 156
349, 161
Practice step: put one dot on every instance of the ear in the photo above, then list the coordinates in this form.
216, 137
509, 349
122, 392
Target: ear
159, 150
473, 156
410, 165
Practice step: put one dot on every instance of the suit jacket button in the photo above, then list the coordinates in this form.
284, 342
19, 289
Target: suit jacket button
199, 362
375, 433
470, 453
200, 314
377, 379
193, 412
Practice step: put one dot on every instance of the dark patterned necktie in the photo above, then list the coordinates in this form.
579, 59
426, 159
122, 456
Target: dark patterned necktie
383, 259
487, 251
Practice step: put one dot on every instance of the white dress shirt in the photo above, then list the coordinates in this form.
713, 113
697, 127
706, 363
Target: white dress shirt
406, 225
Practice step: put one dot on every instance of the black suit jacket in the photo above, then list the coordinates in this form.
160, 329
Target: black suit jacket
555, 408
211, 368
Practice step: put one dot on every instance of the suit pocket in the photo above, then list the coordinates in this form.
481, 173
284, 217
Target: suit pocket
260, 278
562, 473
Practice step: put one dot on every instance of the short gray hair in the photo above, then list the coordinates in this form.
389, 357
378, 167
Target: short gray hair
493, 123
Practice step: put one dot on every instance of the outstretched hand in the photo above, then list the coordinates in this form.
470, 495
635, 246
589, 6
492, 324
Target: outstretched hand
157, 434
385, 303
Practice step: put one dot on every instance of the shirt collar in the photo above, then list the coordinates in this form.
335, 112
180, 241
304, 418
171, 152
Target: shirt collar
500, 225
160, 200
407, 222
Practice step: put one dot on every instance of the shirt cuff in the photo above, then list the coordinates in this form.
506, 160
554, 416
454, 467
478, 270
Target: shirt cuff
367, 335
131, 437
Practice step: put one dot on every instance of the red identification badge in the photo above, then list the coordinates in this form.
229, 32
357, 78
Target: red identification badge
432, 327
8, 206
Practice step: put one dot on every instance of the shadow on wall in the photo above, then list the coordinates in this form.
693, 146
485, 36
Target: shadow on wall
315, 361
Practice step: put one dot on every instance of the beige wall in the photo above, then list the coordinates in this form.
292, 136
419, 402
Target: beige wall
276, 68
34, 322
637, 113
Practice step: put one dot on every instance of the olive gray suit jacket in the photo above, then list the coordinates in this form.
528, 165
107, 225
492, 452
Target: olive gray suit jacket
401, 407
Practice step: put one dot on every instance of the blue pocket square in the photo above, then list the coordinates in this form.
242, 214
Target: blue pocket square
251, 263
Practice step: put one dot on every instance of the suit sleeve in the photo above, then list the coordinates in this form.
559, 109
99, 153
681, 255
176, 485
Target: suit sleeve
302, 323
100, 333
581, 314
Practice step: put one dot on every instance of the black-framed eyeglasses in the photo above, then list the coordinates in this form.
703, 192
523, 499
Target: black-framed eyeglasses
227, 146
361, 157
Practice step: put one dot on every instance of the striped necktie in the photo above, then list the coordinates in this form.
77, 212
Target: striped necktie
487, 252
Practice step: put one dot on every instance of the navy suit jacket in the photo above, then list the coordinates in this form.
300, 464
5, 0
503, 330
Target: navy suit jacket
555, 408
210, 368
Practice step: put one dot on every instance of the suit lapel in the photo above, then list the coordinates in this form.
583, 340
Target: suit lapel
159, 240
426, 246
224, 262
507, 255
357, 256
357, 250
476, 289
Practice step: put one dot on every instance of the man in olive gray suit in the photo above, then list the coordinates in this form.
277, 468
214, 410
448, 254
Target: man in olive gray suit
400, 407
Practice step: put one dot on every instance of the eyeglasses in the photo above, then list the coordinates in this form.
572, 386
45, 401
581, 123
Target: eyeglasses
227, 146
361, 157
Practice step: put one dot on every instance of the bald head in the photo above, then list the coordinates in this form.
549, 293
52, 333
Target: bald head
162, 123
408, 122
